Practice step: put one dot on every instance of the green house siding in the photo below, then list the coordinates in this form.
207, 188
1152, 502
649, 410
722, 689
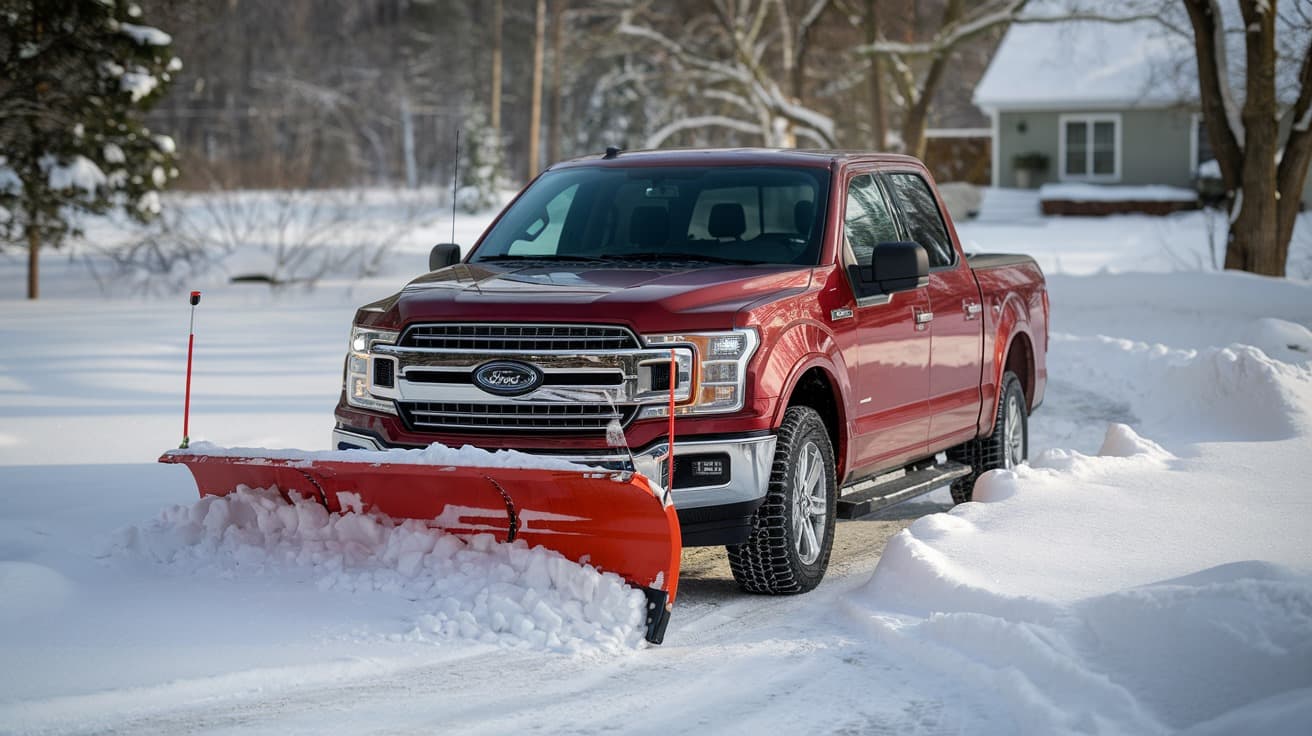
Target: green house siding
1155, 145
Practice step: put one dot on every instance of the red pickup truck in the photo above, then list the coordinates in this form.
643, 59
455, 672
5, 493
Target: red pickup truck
835, 349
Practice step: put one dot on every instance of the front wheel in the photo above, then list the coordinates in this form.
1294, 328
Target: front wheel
793, 530
1005, 447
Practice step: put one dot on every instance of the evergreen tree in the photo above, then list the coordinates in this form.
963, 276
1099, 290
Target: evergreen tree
483, 169
76, 77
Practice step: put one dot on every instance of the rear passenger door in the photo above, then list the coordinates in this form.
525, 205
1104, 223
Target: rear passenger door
956, 332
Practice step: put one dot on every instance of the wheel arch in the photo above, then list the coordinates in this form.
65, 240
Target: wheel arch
813, 383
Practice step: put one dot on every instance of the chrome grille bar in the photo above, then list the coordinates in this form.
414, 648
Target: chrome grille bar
527, 338
512, 417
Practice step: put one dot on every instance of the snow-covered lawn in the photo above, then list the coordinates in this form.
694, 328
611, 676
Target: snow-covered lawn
1149, 572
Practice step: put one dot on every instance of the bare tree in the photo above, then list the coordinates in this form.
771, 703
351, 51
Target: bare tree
559, 8
744, 62
878, 116
917, 67
535, 112
1265, 177
497, 19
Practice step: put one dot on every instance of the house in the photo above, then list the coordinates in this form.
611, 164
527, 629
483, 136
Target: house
1087, 102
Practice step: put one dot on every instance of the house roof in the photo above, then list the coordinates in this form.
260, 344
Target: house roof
1088, 65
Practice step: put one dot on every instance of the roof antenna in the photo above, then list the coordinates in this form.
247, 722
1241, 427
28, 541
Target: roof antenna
612, 152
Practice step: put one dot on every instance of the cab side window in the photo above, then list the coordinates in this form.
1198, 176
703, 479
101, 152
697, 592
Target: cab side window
868, 221
923, 220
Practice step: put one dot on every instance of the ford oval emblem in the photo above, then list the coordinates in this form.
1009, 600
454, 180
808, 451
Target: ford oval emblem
507, 378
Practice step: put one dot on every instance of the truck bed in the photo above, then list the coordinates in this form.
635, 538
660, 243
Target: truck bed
980, 261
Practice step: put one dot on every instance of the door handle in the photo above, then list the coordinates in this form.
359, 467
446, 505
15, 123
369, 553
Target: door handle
924, 317
972, 309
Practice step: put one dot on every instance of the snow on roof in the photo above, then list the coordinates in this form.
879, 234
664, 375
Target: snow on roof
1092, 64
1088, 64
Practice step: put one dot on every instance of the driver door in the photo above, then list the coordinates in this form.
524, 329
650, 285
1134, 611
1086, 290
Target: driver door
892, 387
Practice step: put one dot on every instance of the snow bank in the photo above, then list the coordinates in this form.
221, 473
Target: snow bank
1145, 589
475, 589
1231, 393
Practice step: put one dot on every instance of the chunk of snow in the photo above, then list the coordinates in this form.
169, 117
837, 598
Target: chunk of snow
1122, 441
145, 35
149, 203
164, 143
1209, 169
138, 83
9, 181
113, 154
80, 173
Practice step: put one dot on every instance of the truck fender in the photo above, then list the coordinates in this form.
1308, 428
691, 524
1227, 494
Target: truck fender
1013, 323
800, 349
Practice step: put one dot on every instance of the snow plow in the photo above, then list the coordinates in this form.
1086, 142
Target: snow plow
614, 521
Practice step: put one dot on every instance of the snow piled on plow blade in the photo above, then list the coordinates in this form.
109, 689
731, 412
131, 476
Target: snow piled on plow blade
471, 588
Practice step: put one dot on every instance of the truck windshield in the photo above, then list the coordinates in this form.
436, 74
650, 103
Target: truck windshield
692, 216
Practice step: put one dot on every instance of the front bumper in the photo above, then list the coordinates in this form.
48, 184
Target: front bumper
717, 513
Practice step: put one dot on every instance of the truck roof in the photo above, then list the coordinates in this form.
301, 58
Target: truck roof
733, 156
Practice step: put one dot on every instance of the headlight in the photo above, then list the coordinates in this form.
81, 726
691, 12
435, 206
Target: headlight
361, 383
721, 370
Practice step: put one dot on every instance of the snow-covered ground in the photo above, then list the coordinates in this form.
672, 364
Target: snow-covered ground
1149, 572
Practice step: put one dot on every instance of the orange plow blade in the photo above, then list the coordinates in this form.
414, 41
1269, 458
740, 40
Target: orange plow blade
615, 522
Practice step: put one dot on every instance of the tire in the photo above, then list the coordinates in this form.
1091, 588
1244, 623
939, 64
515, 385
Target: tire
793, 530
1006, 447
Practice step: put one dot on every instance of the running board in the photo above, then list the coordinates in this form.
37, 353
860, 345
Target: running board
871, 495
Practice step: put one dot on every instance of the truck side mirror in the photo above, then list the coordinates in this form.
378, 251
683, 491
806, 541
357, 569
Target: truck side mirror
899, 266
443, 255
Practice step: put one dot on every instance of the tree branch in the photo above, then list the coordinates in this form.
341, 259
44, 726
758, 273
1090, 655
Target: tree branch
656, 139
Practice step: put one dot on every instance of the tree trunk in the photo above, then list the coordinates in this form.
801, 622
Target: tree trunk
33, 262
1291, 177
917, 117
878, 117
535, 108
495, 122
1253, 228
553, 130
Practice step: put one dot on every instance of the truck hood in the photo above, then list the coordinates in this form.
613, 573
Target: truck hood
643, 296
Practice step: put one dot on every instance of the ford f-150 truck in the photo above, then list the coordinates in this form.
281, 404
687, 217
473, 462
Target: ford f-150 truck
834, 347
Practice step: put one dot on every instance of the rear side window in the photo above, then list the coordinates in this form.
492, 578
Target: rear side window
923, 220
868, 221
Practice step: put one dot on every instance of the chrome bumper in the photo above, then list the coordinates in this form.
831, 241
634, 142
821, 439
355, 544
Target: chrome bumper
749, 465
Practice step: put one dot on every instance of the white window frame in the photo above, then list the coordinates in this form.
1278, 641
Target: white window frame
1089, 120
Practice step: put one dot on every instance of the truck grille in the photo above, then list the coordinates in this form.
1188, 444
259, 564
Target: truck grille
520, 338
519, 417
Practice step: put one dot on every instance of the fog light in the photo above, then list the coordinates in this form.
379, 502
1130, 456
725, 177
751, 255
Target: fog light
707, 467
694, 471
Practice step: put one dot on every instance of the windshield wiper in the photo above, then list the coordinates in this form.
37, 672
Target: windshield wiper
542, 257
661, 256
